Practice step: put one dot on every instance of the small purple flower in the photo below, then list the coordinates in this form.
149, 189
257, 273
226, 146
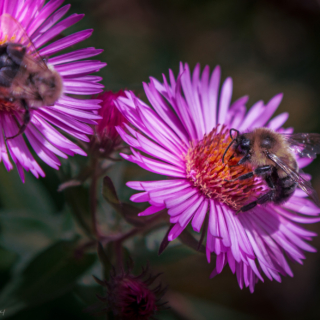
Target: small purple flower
131, 297
106, 136
184, 137
73, 116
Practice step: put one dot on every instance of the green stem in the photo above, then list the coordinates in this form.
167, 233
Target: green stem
150, 224
93, 198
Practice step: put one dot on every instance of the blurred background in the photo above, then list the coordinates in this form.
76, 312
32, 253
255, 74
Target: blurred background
267, 47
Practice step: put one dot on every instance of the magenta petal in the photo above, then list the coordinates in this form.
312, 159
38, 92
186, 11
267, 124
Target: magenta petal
57, 29
225, 99
303, 162
278, 121
151, 210
45, 12
303, 206
175, 232
189, 212
200, 215
75, 55
65, 42
140, 197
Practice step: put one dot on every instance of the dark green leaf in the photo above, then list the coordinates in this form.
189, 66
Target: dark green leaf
78, 200
109, 191
51, 274
127, 211
187, 239
7, 259
165, 242
16, 195
105, 261
26, 233
77, 181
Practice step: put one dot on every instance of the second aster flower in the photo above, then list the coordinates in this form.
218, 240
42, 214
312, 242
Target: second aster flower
186, 133
41, 24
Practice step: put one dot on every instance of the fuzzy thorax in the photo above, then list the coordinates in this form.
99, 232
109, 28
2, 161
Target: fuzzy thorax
205, 170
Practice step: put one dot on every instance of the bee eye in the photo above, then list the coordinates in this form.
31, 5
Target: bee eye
244, 144
266, 143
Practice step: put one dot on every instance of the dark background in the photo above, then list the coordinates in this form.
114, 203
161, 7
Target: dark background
267, 47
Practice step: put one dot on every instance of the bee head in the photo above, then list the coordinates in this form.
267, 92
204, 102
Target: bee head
242, 144
49, 86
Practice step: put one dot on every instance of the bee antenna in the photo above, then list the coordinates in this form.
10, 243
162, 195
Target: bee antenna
235, 131
230, 144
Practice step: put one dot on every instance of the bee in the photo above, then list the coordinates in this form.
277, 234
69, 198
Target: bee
26, 81
272, 155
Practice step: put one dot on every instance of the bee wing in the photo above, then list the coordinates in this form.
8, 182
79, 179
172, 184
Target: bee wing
12, 31
307, 145
302, 183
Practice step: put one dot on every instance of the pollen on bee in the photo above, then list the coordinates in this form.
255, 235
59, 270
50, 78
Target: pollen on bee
7, 39
8, 106
205, 169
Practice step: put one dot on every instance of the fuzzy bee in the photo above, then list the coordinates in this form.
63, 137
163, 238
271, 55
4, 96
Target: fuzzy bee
271, 154
26, 81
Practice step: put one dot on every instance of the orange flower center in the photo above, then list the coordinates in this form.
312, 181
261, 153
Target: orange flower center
206, 171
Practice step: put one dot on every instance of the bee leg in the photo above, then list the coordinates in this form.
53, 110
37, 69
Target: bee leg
242, 160
259, 171
267, 197
26, 119
248, 207
270, 182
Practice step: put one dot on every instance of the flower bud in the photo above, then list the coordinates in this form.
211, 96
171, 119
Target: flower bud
106, 137
130, 297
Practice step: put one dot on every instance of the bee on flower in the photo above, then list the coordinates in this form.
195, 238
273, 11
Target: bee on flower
249, 211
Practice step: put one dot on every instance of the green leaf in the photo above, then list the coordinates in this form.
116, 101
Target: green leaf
16, 195
109, 191
105, 261
26, 233
78, 200
7, 259
165, 242
127, 211
187, 239
49, 275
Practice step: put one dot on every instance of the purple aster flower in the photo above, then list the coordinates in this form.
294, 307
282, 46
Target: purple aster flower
42, 24
183, 136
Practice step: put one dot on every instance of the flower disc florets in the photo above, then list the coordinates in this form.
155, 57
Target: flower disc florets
205, 169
